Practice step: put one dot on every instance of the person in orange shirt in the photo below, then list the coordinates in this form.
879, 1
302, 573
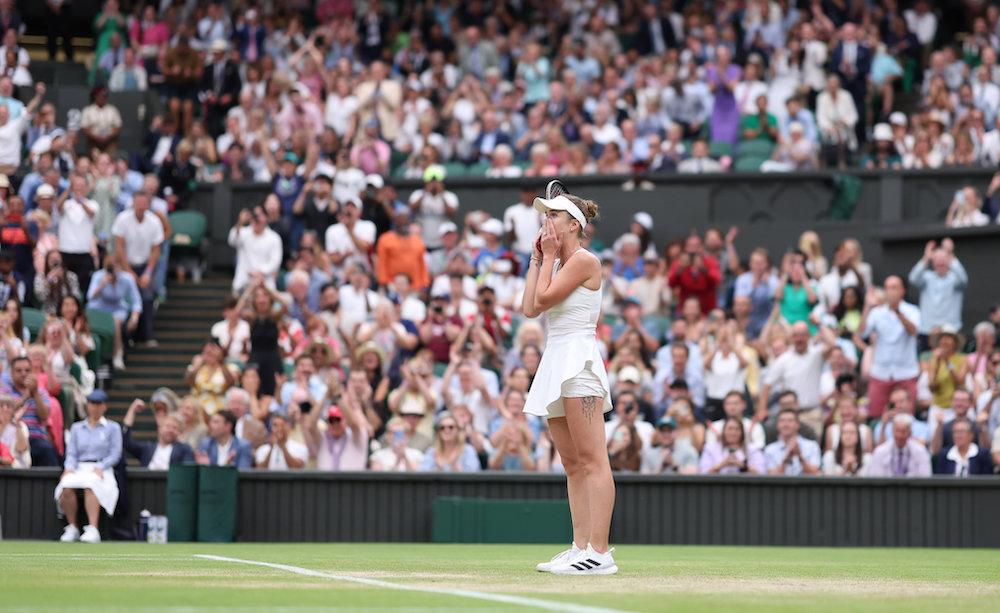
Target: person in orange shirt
402, 250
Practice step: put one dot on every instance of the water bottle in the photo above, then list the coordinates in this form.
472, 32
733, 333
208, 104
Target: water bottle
144, 516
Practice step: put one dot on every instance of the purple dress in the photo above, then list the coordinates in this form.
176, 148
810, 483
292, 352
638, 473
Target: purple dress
725, 121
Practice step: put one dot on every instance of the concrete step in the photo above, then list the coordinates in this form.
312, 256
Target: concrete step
150, 383
168, 347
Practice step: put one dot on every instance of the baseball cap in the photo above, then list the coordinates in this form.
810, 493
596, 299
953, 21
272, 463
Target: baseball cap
375, 181
796, 127
630, 300
434, 172
883, 131
290, 157
411, 407
644, 219
447, 227
97, 396
219, 45
45, 191
630, 374
334, 412
897, 119
492, 226
669, 422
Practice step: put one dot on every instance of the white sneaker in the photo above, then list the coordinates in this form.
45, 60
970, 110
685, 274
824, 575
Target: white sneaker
90, 535
70, 534
546, 567
587, 562
118, 363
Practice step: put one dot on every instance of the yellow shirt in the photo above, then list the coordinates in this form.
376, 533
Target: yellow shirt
945, 388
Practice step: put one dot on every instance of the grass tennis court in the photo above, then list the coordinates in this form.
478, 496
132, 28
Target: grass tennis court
56, 576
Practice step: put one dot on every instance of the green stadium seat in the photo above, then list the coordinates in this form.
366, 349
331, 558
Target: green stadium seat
33, 320
755, 148
478, 170
103, 324
749, 163
719, 148
454, 169
188, 241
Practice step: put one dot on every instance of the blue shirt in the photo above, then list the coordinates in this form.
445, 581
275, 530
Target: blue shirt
940, 297
468, 461
774, 456
317, 391
895, 357
122, 295
761, 300
100, 443
920, 430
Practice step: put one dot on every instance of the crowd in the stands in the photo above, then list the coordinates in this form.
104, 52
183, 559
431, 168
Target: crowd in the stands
370, 329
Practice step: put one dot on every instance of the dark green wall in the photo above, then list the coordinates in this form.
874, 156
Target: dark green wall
366, 507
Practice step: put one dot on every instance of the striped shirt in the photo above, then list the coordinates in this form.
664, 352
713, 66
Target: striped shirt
36, 426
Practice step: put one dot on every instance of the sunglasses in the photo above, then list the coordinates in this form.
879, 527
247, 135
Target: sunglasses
448, 427
334, 420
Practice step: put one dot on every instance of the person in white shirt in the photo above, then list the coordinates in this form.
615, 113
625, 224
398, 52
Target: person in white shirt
233, 332
399, 456
432, 206
734, 405
699, 162
258, 249
281, 452
11, 131
799, 369
922, 21
836, 116
138, 236
357, 300
350, 241
627, 411
76, 228
750, 88
522, 221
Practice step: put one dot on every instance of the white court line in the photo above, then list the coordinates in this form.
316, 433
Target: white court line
504, 598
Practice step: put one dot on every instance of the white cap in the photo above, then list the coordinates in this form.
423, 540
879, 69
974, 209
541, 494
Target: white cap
45, 191
561, 203
492, 226
644, 219
897, 119
219, 45
447, 227
795, 126
883, 131
375, 180
630, 373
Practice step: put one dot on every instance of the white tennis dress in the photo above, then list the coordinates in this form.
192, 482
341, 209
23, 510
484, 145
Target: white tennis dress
571, 366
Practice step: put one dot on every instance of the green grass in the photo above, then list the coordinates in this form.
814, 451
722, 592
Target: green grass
44, 575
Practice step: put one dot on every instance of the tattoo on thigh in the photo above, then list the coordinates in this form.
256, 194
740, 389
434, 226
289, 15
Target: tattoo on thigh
589, 407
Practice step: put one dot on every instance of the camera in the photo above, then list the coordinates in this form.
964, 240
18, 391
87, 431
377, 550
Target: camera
306, 406
437, 309
487, 302
109, 268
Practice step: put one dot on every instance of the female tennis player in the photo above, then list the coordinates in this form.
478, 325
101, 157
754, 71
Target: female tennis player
571, 387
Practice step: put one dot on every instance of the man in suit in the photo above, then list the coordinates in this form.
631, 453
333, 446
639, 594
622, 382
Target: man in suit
166, 451
852, 61
902, 456
476, 56
490, 136
656, 33
964, 458
223, 448
220, 85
